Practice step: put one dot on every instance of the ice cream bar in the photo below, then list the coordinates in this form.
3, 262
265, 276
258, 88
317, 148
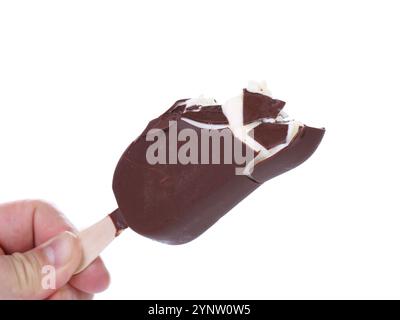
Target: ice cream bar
195, 162
174, 201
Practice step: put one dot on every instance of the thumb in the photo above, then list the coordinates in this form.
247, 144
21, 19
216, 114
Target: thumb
38, 273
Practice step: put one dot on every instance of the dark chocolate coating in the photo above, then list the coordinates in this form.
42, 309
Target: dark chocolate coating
299, 150
175, 203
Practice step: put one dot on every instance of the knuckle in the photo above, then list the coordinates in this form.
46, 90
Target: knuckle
39, 204
27, 271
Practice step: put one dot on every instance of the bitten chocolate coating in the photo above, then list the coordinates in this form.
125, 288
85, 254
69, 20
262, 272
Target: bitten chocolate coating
175, 203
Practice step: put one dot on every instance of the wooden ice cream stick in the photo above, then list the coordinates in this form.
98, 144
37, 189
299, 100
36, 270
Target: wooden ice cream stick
96, 238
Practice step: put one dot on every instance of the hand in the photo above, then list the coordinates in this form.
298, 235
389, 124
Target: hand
33, 235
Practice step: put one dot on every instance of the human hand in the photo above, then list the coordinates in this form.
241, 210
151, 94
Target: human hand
33, 234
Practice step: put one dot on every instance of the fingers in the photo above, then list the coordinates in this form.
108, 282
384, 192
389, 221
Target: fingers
93, 279
22, 276
70, 293
27, 224
16, 220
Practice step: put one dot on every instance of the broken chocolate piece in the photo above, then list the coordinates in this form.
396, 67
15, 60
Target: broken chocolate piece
257, 106
270, 135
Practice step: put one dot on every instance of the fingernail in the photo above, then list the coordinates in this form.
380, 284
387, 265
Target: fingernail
59, 250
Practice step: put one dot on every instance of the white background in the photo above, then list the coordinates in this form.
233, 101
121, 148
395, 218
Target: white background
79, 80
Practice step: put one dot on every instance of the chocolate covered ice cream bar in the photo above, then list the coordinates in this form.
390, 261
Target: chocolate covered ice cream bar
196, 161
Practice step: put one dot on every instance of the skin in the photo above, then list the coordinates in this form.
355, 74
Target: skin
27, 229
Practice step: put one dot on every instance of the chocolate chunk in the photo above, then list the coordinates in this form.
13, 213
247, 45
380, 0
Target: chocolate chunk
270, 135
257, 106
